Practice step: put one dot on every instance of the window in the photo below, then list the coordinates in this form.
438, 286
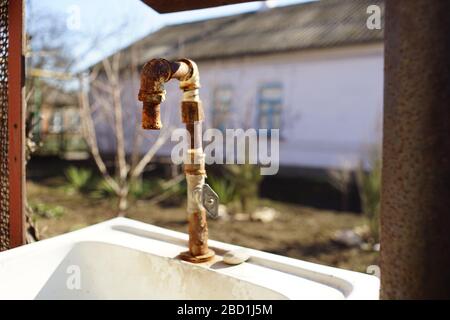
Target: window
270, 105
222, 107
56, 124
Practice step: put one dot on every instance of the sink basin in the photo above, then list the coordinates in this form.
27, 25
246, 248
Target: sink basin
126, 259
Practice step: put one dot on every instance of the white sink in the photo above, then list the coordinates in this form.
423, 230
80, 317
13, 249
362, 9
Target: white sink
126, 259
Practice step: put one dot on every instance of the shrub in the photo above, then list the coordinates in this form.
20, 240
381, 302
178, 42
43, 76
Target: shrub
141, 189
45, 210
369, 185
78, 179
225, 189
247, 179
175, 195
103, 190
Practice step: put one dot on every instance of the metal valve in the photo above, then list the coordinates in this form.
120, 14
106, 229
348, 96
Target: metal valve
210, 201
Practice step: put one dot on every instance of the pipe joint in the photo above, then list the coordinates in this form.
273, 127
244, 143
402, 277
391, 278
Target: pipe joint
154, 75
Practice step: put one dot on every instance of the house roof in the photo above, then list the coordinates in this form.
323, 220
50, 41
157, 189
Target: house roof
319, 24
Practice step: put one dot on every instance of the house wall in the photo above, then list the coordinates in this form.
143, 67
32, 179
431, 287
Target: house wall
331, 109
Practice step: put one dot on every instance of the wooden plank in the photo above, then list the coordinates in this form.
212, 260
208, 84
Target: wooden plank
16, 123
164, 6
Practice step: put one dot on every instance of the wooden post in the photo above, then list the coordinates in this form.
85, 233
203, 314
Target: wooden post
16, 123
415, 201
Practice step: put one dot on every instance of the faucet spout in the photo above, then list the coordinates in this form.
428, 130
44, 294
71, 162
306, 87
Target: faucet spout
155, 74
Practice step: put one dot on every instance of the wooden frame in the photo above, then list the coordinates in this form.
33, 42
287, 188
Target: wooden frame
165, 6
16, 123
272, 102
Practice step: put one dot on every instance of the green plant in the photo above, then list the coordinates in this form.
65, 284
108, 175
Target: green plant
45, 210
140, 189
225, 189
103, 190
369, 185
172, 195
78, 179
247, 179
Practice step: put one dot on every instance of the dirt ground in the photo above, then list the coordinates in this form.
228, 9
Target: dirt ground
299, 232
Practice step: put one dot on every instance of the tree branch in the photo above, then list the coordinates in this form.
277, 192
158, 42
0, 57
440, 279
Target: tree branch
90, 136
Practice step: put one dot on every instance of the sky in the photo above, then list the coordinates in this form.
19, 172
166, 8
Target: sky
127, 20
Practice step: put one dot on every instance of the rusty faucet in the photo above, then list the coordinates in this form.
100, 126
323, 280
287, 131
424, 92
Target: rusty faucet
201, 199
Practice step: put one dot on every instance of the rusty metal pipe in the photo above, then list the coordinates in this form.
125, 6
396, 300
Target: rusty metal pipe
415, 202
155, 73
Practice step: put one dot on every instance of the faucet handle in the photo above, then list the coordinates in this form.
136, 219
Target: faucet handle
210, 201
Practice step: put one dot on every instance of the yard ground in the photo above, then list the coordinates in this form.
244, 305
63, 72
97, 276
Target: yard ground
299, 232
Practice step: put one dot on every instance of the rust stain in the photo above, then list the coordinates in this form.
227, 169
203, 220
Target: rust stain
192, 111
195, 169
415, 201
154, 74
151, 116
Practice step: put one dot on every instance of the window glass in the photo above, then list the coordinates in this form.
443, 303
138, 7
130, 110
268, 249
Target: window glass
270, 106
222, 107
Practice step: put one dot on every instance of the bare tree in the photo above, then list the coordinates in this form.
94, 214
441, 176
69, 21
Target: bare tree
100, 98
51, 55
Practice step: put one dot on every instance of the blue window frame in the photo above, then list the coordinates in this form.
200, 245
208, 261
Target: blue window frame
222, 107
270, 104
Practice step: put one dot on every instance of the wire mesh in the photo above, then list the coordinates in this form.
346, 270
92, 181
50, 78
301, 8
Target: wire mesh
4, 136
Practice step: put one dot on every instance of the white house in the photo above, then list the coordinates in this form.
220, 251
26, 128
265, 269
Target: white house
312, 70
